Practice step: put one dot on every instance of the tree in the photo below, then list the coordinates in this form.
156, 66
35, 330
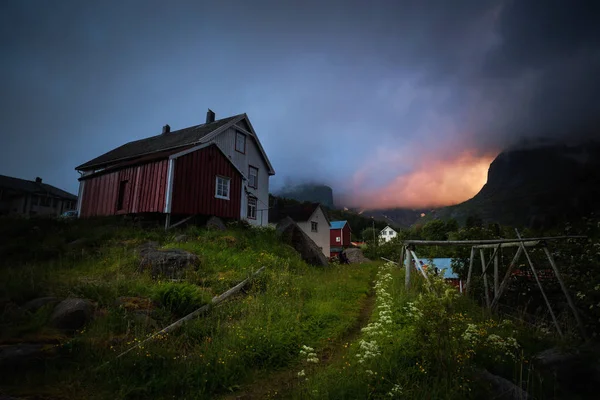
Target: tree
369, 233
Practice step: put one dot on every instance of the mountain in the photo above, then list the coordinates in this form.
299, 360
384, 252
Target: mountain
398, 217
315, 193
536, 186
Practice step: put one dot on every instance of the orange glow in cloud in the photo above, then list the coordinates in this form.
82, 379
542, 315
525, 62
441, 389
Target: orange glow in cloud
433, 183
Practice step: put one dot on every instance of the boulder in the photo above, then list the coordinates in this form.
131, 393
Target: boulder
71, 314
168, 263
502, 388
577, 370
290, 233
12, 356
180, 238
215, 223
35, 304
356, 256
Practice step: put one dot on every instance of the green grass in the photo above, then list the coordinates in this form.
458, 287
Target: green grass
291, 304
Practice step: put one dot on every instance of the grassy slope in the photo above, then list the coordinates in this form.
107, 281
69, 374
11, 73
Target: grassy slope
291, 305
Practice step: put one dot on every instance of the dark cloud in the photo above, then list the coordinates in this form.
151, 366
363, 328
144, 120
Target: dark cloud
339, 91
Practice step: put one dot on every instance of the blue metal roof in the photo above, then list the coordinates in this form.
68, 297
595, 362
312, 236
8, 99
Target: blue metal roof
338, 224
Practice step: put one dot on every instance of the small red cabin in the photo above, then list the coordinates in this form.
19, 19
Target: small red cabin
197, 180
339, 236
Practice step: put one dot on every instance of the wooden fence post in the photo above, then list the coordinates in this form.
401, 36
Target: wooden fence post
408, 269
468, 285
420, 268
485, 281
566, 292
537, 279
402, 250
496, 265
504, 283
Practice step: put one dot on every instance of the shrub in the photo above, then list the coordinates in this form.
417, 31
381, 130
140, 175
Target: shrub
181, 298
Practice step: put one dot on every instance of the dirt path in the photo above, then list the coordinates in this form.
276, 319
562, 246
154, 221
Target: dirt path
273, 385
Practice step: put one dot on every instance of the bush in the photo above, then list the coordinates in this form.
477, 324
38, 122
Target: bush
181, 298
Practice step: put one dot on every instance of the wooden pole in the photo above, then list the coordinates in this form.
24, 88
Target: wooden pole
482, 242
485, 281
418, 264
216, 300
504, 283
407, 269
468, 285
566, 292
388, 260
496, 265
537, 279
531, 243
402, 250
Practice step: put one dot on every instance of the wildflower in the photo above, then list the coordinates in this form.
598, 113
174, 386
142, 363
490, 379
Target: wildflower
301, 373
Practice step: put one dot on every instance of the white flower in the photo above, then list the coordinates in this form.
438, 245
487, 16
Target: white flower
301, 373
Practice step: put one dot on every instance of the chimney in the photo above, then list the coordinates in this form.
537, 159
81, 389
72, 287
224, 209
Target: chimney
38, 180
166, 129
210, 116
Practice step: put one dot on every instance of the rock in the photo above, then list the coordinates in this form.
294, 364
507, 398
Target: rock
215, 223
503, 389
134, 303
168, 263
356, 256
576, 370
145, 247
181, 238
16, 355
71, 314
36, 304
290, 233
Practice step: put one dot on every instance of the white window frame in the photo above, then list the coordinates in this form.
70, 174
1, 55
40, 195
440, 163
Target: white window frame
227, 184
250, 176
314, 226
338, 239
251, 207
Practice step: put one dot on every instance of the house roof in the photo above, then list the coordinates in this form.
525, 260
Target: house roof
25, 186
179, 139
299, 212
162, 142
338, 224
387, 228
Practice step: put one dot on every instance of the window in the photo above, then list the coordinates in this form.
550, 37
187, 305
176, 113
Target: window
121, 195
253, 177
222, 188
314, 227
251, 207
338, 239
240, 142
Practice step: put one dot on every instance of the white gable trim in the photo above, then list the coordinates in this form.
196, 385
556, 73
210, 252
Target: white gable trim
252, 133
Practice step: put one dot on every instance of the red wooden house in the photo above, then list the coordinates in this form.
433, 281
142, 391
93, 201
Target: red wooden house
199, 170
339, 236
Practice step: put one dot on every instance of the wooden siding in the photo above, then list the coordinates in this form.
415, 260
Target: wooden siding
345, 235
144, 192
194, 181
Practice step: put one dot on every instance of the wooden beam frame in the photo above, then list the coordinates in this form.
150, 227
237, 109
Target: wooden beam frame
504, 283
482, 242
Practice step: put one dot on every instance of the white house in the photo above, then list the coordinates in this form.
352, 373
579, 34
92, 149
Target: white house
311, 218
387, 234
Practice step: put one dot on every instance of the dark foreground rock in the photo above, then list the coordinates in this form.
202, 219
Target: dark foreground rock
356, 256
168, 263
71, 314
290, 233
36, 304
503, 389
14, 356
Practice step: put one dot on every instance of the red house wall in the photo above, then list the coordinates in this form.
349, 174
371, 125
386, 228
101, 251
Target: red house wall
334, 233
194, 182
145, 190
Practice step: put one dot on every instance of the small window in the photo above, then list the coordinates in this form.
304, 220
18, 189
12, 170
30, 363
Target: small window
314, 227
251, 207
121, 196
253, 177
222, 188
240, 142
338, 239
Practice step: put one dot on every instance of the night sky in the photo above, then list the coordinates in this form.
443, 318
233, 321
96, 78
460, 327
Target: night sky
392, 103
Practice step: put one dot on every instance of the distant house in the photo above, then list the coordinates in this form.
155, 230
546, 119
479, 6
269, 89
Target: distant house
217, 168
387, 234
311, 218
339, 236
20, 196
